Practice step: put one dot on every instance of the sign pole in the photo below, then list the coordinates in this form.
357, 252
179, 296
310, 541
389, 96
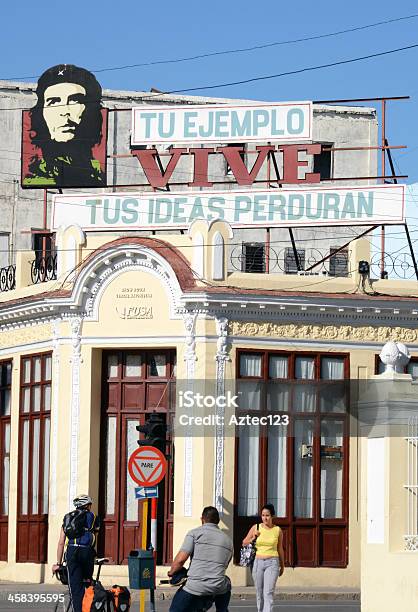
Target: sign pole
147, 466
154, 545
143, 546
154, 524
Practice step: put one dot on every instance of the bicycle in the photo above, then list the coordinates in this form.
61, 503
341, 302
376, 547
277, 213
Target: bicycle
67, 604
179, 580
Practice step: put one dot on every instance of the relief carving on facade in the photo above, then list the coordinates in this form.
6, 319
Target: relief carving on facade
25, 335
324, 332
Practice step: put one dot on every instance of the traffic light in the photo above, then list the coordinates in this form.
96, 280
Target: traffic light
155, 430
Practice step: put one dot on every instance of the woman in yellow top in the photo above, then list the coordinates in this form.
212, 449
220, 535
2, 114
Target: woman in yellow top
269, 559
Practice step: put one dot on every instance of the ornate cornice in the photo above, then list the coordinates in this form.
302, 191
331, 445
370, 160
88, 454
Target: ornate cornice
324, 332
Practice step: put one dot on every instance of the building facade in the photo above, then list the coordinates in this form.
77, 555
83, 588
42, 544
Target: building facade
122, 321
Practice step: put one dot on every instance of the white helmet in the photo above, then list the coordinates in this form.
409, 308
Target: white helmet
82, 500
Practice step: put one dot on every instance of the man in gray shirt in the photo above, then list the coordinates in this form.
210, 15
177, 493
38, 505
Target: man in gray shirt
210, 551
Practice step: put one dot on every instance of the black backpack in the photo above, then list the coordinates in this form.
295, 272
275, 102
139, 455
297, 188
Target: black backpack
74, 524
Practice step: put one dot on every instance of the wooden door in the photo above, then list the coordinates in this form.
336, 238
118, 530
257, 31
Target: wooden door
135, 384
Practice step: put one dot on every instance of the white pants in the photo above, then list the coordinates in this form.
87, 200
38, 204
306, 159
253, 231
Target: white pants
265, 574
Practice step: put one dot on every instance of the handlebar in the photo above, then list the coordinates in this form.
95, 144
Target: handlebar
102, 560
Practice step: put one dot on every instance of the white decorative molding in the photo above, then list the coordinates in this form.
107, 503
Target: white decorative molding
190, 342
326, 332
222, 356
54, 416
395, 356
188, 473
190, 359
76, 360
96, 277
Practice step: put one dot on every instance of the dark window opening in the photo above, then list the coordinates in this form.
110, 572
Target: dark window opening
338, 262
253, 257
290, 265
322, 163
43, 244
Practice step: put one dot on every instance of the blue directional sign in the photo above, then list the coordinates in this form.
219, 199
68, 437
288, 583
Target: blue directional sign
146, 492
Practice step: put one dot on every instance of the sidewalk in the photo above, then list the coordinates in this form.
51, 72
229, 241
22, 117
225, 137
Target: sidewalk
308, 594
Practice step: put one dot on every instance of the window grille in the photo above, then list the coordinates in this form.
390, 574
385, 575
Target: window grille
338, 262
254, 257
411, 537
290, 266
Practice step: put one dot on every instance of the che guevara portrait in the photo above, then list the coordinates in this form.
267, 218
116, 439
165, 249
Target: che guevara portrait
64, 134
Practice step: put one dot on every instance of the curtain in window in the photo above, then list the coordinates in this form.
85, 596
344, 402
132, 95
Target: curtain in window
248, 474
249, 394
304, 395
277, 390
276, 469
332, 368
131, 445
278, 366
45, 484
25, 468
4, 507
35, 465
331, 471
250, 391
250, 365
303, 469
110, 466
333, 396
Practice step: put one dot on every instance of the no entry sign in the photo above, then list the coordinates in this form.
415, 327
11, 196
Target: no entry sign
147, 466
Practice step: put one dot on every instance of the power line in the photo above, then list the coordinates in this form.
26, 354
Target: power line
104, 247
243, 49
290, 72
152, 96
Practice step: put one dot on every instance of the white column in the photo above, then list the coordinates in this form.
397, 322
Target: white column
54, 416
190, 359
76, 360
222, 356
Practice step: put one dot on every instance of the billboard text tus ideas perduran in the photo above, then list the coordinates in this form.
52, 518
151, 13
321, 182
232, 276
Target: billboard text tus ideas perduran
274, 123
382, 204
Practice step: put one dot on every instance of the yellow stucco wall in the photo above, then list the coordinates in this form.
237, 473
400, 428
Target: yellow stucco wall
135, 309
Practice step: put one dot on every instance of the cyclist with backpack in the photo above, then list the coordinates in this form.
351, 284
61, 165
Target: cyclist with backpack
78, 531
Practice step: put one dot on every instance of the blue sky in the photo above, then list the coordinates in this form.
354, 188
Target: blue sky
107, 34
